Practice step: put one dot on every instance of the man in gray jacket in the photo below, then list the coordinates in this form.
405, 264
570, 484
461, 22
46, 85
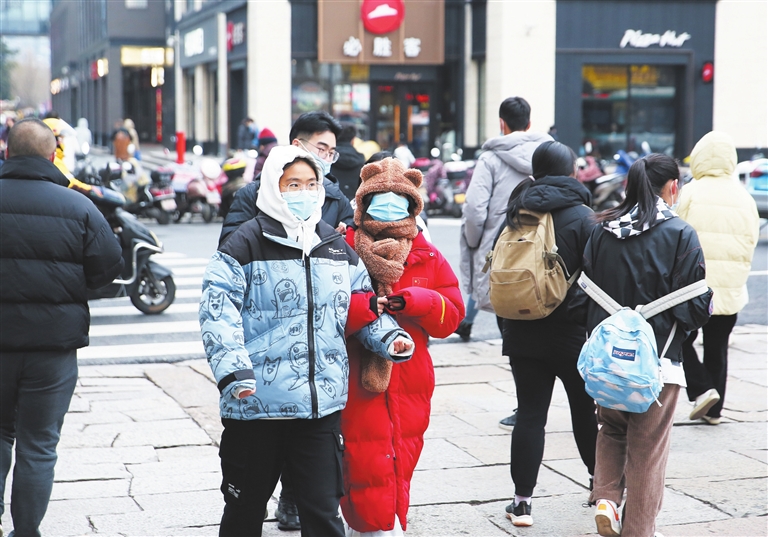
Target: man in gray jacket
504, 163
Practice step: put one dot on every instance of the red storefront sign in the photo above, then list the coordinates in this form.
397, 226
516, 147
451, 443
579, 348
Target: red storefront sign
382, 16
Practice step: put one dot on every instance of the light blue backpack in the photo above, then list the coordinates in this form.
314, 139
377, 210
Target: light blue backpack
619, 362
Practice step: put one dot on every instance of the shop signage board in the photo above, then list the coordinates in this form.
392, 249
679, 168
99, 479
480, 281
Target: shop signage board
381, 31
199, 43
237, 34
639, 39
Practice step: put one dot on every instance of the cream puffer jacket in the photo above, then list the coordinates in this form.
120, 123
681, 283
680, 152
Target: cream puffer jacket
725, 217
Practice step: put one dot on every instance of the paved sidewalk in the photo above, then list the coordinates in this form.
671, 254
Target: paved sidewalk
138, 454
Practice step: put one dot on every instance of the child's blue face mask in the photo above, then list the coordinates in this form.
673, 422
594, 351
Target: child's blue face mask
388, 207
301, 203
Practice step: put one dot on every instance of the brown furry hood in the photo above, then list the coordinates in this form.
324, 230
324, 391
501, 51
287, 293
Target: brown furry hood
388, 175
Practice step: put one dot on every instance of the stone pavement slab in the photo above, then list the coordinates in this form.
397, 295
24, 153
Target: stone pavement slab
139, 456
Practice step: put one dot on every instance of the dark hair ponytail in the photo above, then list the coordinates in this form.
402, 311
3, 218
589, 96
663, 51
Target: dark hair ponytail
645, 179
550, 158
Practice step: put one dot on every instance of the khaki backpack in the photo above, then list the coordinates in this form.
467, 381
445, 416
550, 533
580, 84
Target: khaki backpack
528, 278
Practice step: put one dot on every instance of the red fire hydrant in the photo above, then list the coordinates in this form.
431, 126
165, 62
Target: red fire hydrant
181, 146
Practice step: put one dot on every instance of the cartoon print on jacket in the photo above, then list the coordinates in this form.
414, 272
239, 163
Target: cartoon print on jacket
345, 369
215, 305
269, 371
236, 297
320, 316
296, 329
211, 342
299, 357
251, 406
289, 410
253, 310
281, 266
287, 299
340, 307
338, 279
259, 277
328, 388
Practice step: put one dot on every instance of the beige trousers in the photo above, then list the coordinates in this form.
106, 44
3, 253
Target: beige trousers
632, 452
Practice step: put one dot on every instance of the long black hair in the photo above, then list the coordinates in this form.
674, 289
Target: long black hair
646, 177
549, 159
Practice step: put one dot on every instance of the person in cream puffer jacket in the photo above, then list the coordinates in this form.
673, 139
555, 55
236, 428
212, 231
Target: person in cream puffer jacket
725, 217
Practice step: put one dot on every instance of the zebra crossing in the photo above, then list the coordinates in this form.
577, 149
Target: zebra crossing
120, 333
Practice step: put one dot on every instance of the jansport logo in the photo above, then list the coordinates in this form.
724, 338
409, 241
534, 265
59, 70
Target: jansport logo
623, 354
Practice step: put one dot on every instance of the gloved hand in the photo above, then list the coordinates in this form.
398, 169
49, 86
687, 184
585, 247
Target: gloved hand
243, 388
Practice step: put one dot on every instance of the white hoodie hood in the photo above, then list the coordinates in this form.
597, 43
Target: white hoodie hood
271, 202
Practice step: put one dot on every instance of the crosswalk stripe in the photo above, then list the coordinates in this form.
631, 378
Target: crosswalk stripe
189, 271
188, 281
181, 262
169, 327
142, 350
116, 311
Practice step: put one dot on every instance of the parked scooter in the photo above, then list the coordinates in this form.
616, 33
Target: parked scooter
233, 170
164, 198
149, 285
128, 178
608, 190
440, 195
196, 191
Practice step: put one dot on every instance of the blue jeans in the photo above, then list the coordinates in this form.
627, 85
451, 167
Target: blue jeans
470, 311
35, 391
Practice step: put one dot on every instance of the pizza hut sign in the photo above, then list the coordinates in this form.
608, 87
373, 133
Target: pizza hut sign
382, 16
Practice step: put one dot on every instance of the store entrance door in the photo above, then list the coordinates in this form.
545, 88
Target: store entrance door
402, 111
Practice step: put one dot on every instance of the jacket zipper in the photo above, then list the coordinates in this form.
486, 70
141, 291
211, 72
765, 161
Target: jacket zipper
311, 337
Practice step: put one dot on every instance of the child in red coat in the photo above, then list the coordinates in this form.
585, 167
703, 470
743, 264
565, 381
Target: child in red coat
388, 408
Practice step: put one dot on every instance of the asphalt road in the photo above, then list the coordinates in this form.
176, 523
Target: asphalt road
197, 239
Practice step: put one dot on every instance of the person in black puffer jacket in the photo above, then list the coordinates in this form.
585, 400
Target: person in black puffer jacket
55, 245
642, 251
314, 132
351, 161
545, 349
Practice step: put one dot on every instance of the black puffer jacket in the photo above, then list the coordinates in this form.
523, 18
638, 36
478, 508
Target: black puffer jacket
335, 209
347, 169
568, 201
55, 245
638, 270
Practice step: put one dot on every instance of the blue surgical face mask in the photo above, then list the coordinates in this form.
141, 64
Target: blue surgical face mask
325, 166
388, 207
302, 203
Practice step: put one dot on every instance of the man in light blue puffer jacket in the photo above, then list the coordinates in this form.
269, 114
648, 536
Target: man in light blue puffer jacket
278, 299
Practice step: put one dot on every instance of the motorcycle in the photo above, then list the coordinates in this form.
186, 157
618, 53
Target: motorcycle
440, 196
163, 195
149, 285
196, 191
608, 190
127, 177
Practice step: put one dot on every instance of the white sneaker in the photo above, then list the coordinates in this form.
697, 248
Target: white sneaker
607, 519
703, 403
711, 420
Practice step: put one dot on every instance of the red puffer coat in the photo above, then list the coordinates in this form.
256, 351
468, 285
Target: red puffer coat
384, 432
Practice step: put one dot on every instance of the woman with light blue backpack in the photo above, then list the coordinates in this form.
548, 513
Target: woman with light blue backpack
639, 252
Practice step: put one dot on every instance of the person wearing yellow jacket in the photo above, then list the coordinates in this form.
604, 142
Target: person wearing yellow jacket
725, 217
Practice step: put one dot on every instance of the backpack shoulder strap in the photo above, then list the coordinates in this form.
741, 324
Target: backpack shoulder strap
598, 295
674, 298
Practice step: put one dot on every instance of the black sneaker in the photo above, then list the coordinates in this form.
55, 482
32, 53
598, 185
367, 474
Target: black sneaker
509, 422
464, 330
287, 516
519, 514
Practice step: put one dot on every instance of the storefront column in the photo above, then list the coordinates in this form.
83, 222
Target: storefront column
180, 90
202, 102
471, 88
222, 78
520, 60
269, 66
741, 86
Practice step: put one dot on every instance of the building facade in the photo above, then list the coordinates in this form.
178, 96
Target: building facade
108, 62
616, 73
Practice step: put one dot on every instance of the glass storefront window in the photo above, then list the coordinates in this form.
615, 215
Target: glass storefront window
626, 105
341, 90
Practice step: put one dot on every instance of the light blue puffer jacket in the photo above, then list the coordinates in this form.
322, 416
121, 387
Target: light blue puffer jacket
270, 314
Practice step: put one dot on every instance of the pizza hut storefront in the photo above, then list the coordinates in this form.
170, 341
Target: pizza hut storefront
380, 65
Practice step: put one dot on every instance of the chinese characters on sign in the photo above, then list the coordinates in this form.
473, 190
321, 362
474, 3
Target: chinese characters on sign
382, 47
352, 47
411, 46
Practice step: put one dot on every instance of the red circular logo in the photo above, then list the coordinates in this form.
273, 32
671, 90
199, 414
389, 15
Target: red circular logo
382, 16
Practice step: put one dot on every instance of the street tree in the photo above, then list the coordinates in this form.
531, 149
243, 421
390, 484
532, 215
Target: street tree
6, 66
